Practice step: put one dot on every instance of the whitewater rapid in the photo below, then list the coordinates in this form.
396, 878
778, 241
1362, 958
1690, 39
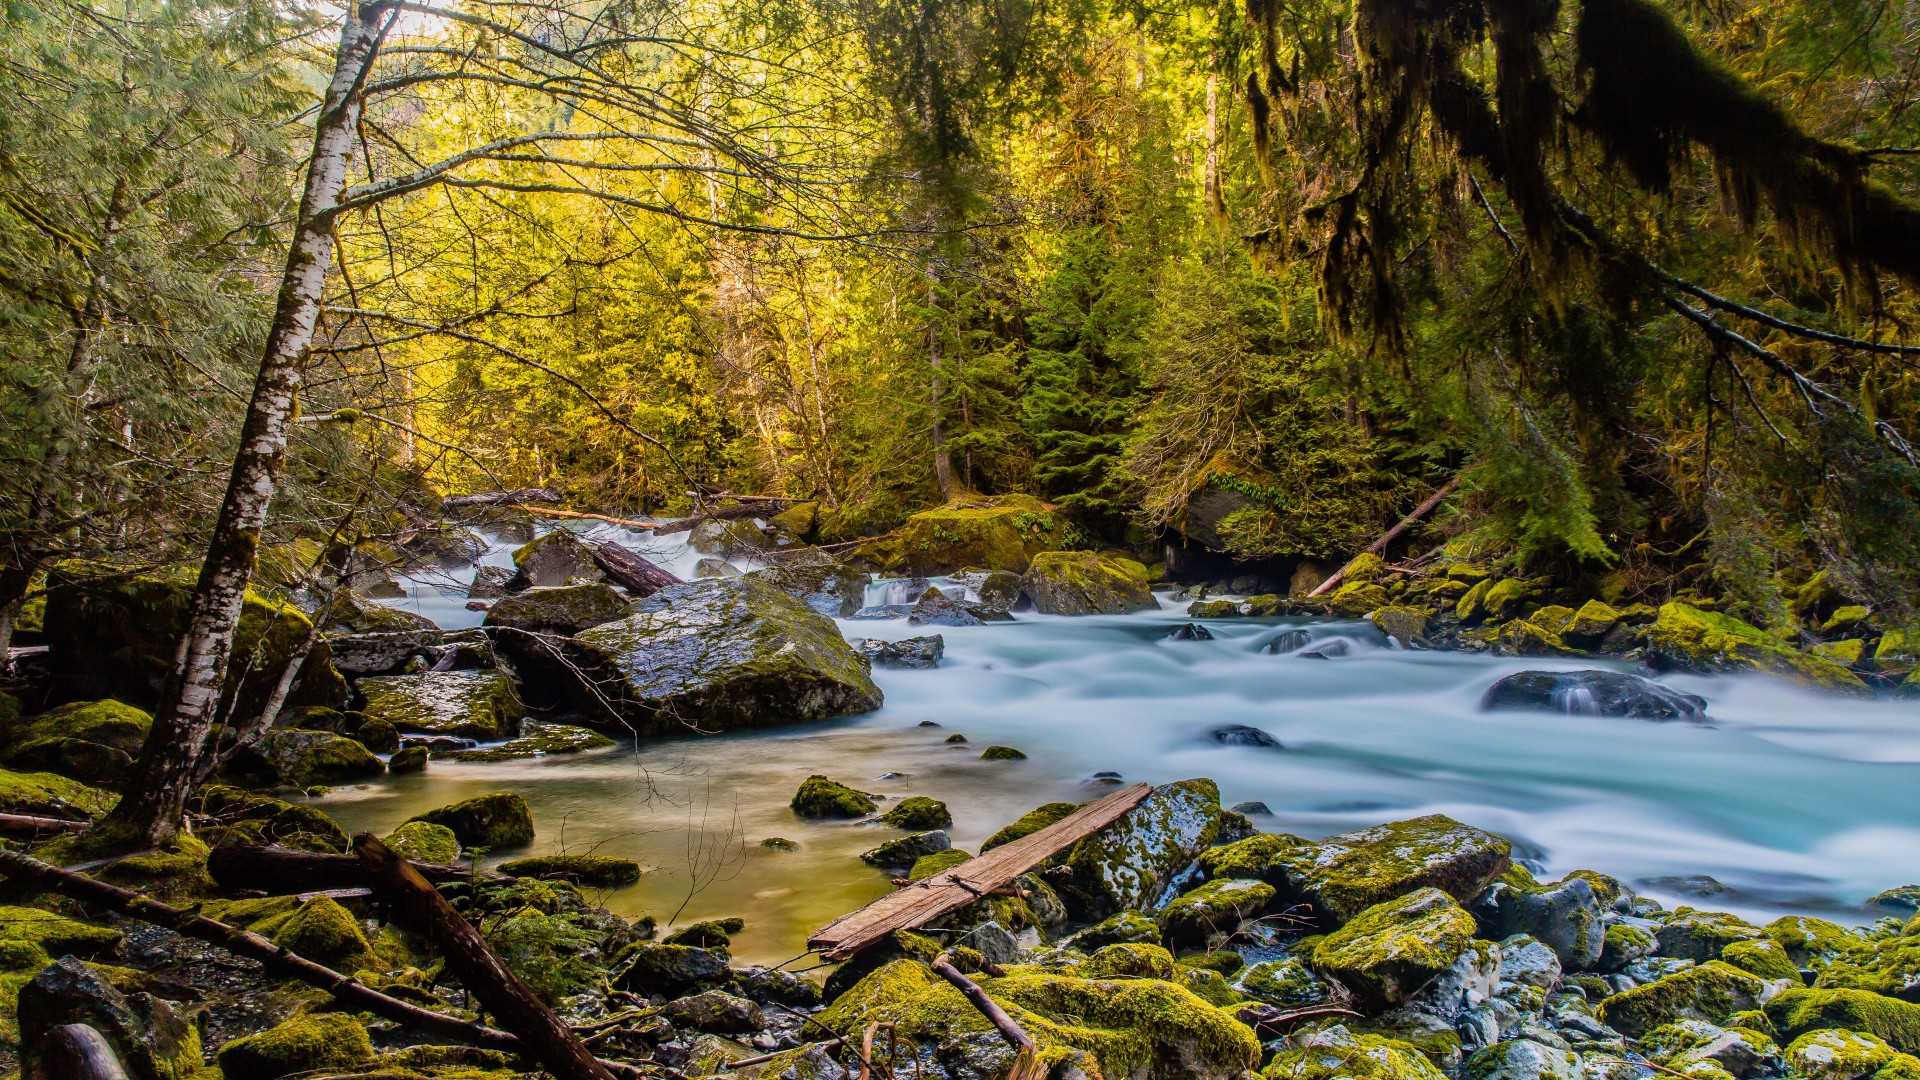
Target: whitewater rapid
1794, 801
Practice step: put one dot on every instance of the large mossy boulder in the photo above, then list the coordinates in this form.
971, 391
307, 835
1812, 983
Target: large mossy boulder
154, 1039
94, 742
230, 815
499, 820
597, 871
552, 559
351, 613
1710, 993
117, 636
305, 759
1083, 583
1691, 639
464, 704
1797, 1011
832, 588
1212, 910
821, 797
1001, 532
713, 656
1147, 1028
1338, 1054
314, 1042
1129, 863
652, 967
423, 841
558, 609
45, 794
1345, 874
1388, 952
320, 929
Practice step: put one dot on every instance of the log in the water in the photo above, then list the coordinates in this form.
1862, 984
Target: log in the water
77, 1052
631, 571
923, 901
277, 869
501, 498
415, 902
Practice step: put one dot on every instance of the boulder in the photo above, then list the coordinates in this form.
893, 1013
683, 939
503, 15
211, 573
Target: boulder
408, 759
154, 1039
1565, 917
391, 653
718, 655
464, 704
1710, 992
350, 612
1214, 909
1345, 874
1842, 1055
715, 568
1690, 639
1593, 693
902, 853
734, 537
305, 759
235, 816
1337, 1054
313, 1042
918, 812
536, 740
820, 797
1523, 1059
1701, 935
1287, 983
58, 935
715, 1011
1796, 1011
1385, 954
558, 609
555, 558
1740, 1052
1287, 641
44, 794
1244, 735
833, 589
499, 820
1407, 626
1129, 863
1000, 532
714, 934
1524, 961
423, 841
651, 967
935, 608
1083, 583
93, 742
489, 583
1188, 632
598, 871
1766, 958
116, 637
912, 653
320, 929
995, 590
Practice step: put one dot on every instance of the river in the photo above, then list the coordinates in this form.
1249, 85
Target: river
1794, 801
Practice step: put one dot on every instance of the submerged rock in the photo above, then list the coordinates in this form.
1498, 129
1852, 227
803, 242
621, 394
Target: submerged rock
539, 740
1083, 583
1593, 693
918, 812
464, 704
1287, 641
911, 653
995, 590
1326, 650
712, 655
820, 797
833, 589
559, 609
1188, 632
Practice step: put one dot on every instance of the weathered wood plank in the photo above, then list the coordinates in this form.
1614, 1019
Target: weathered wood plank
923, 901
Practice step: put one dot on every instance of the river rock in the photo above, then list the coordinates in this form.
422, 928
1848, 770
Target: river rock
479, 705
94, 742
1701, 935
536, 740
351, 612
903, 852
715, 1011
1710, 992
1243, 735
821, 797
731, 537
999, 532
558, 609
1523, 1059
833, 589
1345, 874
116, 637
1129, 863
1687, 638
308, 758
556, 558
711, 567
499, 820
1326, 650
1524, 961
318, 1043
1385, 954
1083, 583
913, 652
651, 967
392, 652
716, 655
489, 583
1566, 917
1215, 908
153, 1039
1287, 641
995, 590
1740, 1052
235, 816
1338, 1053
1593, 693
935, 608
1188, 632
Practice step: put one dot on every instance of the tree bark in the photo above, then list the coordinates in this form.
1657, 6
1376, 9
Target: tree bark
415, 902
640, 577
942, 457
149, 813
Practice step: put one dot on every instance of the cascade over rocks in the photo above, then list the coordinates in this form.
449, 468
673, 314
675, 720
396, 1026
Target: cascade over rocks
913, 652
1083, 583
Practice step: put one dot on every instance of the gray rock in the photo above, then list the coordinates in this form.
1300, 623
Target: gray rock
1524, 961
1326, 650
153, 1039
901, 853
736, 536
1566, 917
391, 652
994, 943
1251, 809
1592, 693
1130, 863
562, 609
935, 608
833, 589
995, 590
1523, 1059
716, 1012
489, 582
1189, 632
462, 704
913, 652
1473, 978
558, 558
1243, 735
715, 568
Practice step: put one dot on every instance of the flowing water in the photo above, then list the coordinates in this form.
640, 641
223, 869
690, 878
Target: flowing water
1795, 801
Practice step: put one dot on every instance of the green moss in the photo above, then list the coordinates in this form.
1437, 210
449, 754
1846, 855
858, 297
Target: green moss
315, 1042
928, 865
1403, 624
1697, 640
499, 820
1001, 753
1798, 1011
1083, 583
1624, 944
1472, 607
556, 958
1125, 927
1605, 889
320, 929
233, 815
820, 797
1215, 908
464, 704
779, 843
1845, 653
90, 741
603, 871
918, 813
306, 759
1287, 983
716, 934
21, 955
1701, 935
1346, 874
1130, 862
177, 872
1344, 1056
1838, 1055
408, 759
1355, 598
1391, 950
1000, 532
1213, 609
56, 934
1225, 961
1710, 992
1765, 958
1505, 597
1129, 960
1030, 822
1674, 1045
46, 794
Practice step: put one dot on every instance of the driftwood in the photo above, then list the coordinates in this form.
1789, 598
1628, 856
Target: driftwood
277, 869
925, 900
627, 569
30, 825
1380, 545
632, 523
501, 498
1026, 1064
77, 1052
414, 901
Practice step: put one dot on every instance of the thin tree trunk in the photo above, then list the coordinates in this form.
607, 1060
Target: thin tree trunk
149, 814
942, 459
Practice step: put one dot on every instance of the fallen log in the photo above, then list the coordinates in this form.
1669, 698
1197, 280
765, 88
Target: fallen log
1026, 1064
32, 825
1380, 545
929, 898
630, 570
277, 869
720, 513
483, 499
414, 901
632, 523
77, 1052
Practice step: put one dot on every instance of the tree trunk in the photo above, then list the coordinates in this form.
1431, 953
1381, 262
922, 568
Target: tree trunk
148, 815
942, 458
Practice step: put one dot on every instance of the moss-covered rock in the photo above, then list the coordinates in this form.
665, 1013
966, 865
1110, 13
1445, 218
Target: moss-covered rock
1215, 908
1407, 626
1029, 823
499, 820
717, 654
1691, 639
408, 759
1348, 873
829, 587
1258, 857
1839, 1055
1002, 753
1523, 1059
602, 871
45, 794
1701, 935
308, 1043
1386, 953
550, 560
554, 954
1287, 983
820, 797
153, 1039
714, 934
423, 841
560, 609
1710, 992
1083, 583
1686, 1045
904, 852
320, 929
536, 740
1766, 958
1625, 943
91, 741
1356, 598
928, 865
464, 704
1472, 606
652, 967
1136, 1027
918, 812
232, 815
1128, 863
1337, 1053
1797, 1011
305, 759
1000, 532
56, 934
1811, 942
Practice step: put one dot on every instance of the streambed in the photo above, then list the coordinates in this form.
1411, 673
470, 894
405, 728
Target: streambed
1795, 801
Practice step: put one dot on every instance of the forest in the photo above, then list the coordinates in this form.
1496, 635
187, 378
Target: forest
426, 403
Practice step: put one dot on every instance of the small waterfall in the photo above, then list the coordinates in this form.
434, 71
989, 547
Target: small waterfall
1576, 700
